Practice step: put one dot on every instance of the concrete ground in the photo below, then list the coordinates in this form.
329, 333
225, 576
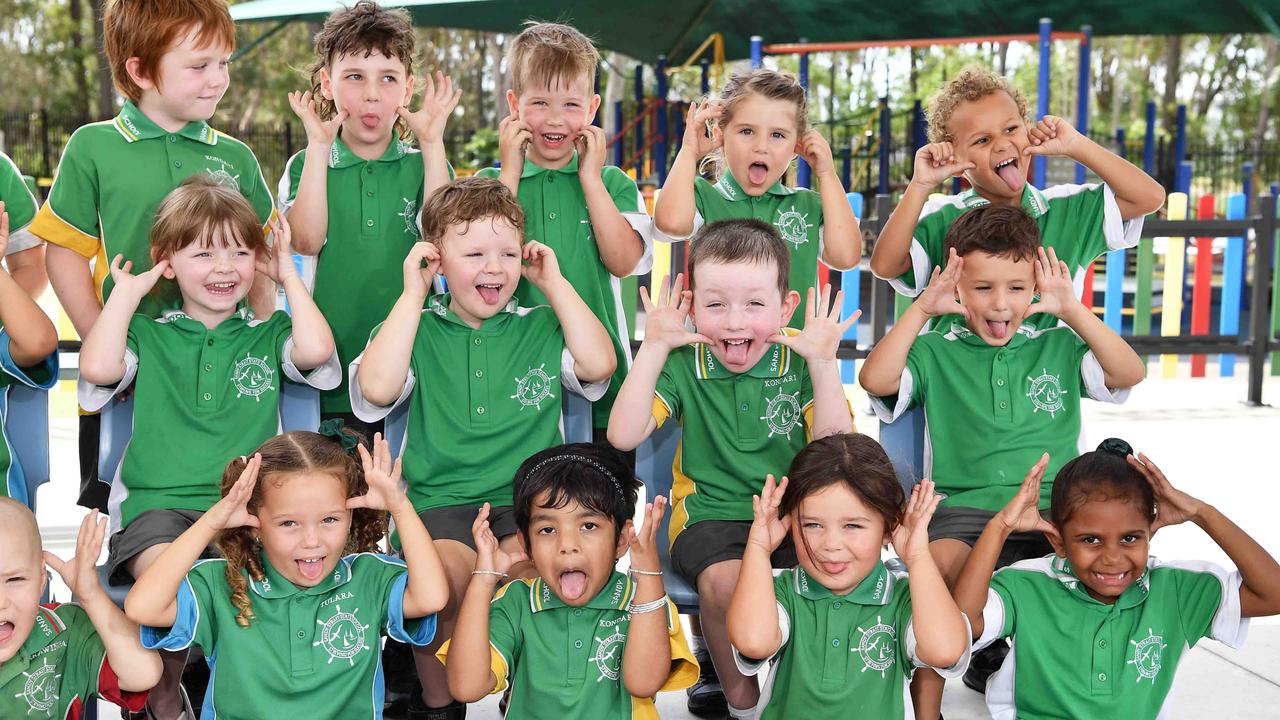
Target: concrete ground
1208, 442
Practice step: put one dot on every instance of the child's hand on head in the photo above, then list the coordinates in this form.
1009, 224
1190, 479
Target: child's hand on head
383, 478
767, 529
135, 286
1054, 285
278, 264
514, 135
665, 321
540, 264
592, 144
1052, 136
823, 328
939, 298
911, 537
489, 555
320, 133
439, 99
700, 134
417, 279
644, 544
937, 162
232, 511
815, 150
1022, 513
80, 573
1173, 506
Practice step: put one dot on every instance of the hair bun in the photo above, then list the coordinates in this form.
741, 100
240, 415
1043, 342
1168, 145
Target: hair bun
1115, 446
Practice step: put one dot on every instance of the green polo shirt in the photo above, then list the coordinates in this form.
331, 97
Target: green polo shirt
735, 429
795, 212
201, 398
1076, 657
555, 214
60, 668
565, 662
112, 177
847, 651
19, 203
990, 412
1080, 222
309, 652
373, 208
481, 400
43, 376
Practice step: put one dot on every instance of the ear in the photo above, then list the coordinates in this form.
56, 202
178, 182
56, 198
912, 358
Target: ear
408, 87
133, 66
624, 539
326, 83
513, 102
1055, 539
790, 302
524, 544
592, 108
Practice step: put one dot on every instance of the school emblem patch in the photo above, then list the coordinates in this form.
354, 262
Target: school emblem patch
40, 689
782, 413
1147, 655
876, 646
793, 226
225, 175
342, 636
1045, 393
410, 216
534, 388
252, 377
608, 656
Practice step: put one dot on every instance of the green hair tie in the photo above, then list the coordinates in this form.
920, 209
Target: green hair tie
333, 428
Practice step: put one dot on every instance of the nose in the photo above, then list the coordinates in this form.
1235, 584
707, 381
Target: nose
568, 544
999, 299
733, 318
311, 538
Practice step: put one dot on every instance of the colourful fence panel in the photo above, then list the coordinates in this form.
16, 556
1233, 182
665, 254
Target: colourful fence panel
1233, 270
1171, 295
1202, 289
851, 284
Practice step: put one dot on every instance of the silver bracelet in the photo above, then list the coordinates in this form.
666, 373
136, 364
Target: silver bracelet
649, 573
489, 572
648, 607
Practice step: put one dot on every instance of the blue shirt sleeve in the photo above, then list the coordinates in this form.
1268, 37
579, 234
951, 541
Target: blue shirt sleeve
417, 631
43, 375
186, 625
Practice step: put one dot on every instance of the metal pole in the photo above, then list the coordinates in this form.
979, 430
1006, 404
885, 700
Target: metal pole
1042, 92
919, 128
1259, 322
886, 139
803, 171
757, 52
1082, 103
660, 143
1180, 138
881, 294
619, 147
639, 130
705, 64
1149, 142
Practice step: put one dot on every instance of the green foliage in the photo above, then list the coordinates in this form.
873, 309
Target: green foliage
481, 150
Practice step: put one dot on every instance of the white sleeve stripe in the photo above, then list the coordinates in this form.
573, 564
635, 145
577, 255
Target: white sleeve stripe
993, 619
1119, 233
1095, 383
905, 387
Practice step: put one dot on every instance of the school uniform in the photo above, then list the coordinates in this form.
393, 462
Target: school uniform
20, 204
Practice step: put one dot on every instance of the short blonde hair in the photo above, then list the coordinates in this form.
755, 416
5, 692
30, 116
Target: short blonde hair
546, 53
972, 84
146, 29
198, 207
465, 201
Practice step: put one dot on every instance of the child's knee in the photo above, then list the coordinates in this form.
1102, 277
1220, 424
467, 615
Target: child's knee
716, 585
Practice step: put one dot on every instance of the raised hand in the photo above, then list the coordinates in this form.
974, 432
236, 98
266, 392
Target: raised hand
279, 263
816, 151
232, 511
489, 555
939, 298
1022, 513
1053, 136
1054, 285
417, 279
767, 529
80, 573
935, 163
514, 135
135, 286
644, 544
823, 328
592, 144
1173, 507
911, 537
665, 321
701, 133
541, 266
320, 133
439, 99
383, 478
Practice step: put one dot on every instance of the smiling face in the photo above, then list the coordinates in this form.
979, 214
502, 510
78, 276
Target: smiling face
760, 142
991, 134
1107, 540
997, 292
190, 80
304, 522
556, 114
213, 274
481, 262
370, 89
838, 537
574, 548
738, 306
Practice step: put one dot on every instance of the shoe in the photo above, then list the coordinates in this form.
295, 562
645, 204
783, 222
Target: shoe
401, 680
983, 665
418, 710
706, 697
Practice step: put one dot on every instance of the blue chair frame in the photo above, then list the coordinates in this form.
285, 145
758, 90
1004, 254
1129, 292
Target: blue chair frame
654, 460
26, 425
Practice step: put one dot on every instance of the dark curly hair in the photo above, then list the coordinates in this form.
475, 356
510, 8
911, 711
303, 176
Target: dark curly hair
1104, 473
594, 476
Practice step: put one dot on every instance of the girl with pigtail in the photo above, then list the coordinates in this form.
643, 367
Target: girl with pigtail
294, 611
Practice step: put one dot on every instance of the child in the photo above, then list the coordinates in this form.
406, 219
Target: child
836, 626
207, 378
748, 393
1099, 627
996, 391
483, 378
978, 127
574, 505
55, 658
28, 356
352, 196
25, 253
761, 122
553, 159
294, 615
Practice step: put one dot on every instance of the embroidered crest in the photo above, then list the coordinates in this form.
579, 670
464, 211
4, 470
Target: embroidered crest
342, 636
608, 656
1147, 655
223, 175
875, 647
534, 387
410, 216
1045, 393
782, 414
252, 377
40, 689
793, 226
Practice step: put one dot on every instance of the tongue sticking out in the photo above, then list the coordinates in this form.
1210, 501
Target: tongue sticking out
1012, 176
573, 584
997, 329
6, 632
370, 121
736, 353
310, 569
488, 294
757, 173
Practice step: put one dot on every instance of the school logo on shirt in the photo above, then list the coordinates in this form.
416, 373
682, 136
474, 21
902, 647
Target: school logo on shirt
342, 636
794, 226
1046, 393
876, 646
224, 175
410, 216
608, 656
534, 387
782, 414
41, 688
1147, 654
252, 377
